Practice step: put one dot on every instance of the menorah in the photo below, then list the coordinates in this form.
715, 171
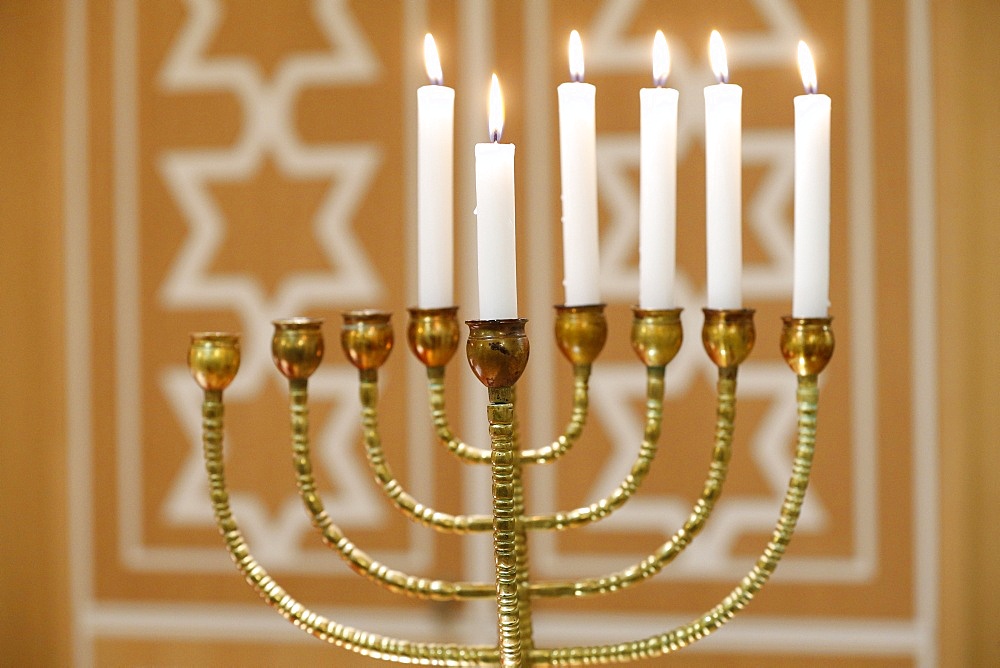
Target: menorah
497, 351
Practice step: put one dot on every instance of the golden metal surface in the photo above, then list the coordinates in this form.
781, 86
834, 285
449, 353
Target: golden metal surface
728, 335
393, 489
333, 536
806, 344
361, 642
497, 351
442, 428
630, 485
433, 335
297, 346
656, 335
366, 338
578, 418
807, 396
509, 547
712, 489
581, 332
543, 455
213, 359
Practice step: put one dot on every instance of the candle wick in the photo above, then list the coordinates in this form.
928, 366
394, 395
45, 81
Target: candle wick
435, 81
723, 78
576, 77
495, 136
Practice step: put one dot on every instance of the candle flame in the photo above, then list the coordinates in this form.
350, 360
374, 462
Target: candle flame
496, 110
807, 68
661, 60
432, 62
717, 54
575, 57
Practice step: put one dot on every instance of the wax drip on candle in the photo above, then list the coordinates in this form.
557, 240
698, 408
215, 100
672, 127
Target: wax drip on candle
661, 60
432, 62
807, 68
575, 57
496, 110
717, 54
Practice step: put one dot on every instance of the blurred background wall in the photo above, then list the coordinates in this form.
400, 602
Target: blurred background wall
173, 166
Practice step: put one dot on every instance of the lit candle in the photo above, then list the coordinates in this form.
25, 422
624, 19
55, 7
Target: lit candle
657, 184
723, 183
435, 167
578, 161
811, 291
495, 219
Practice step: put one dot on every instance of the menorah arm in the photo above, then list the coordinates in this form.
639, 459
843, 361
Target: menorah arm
807, 397
362, 642
406, 503
653, 564
578, 417
333, 536
442, 428
630, 484
549, 453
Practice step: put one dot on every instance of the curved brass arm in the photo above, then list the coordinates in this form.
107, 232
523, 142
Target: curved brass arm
578, 418
358, 560
439, 414
653, 564
367, 644
547, 454
408, 505
807, 396
647, 451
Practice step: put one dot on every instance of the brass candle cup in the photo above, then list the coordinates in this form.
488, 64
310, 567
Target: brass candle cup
497, 351
728, 336
213, 359
581, 332
366, 338
432, 335
297, 346
806, 344
657, 335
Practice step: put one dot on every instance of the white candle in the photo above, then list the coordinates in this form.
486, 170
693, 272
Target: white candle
723, 184
495, 219
811, 291
578, 162
657, 185
435, 177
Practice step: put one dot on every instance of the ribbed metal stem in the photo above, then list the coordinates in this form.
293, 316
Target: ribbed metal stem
511, 595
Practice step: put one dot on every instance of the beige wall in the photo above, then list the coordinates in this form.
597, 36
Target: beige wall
34, 548
969, 237
70, 586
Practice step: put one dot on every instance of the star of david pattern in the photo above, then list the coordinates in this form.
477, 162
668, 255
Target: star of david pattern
616, 388
267, 107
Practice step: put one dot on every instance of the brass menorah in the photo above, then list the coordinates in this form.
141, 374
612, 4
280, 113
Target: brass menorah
497, 351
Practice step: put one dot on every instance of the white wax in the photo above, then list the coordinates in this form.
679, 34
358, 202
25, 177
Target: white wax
723, 206
657, 197
495, 231
811, 291
435, 177
578, 162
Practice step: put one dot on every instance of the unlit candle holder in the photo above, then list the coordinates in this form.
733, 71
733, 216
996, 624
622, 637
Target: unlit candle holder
497, 351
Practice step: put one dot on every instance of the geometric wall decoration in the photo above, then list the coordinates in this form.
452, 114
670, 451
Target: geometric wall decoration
242, 162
